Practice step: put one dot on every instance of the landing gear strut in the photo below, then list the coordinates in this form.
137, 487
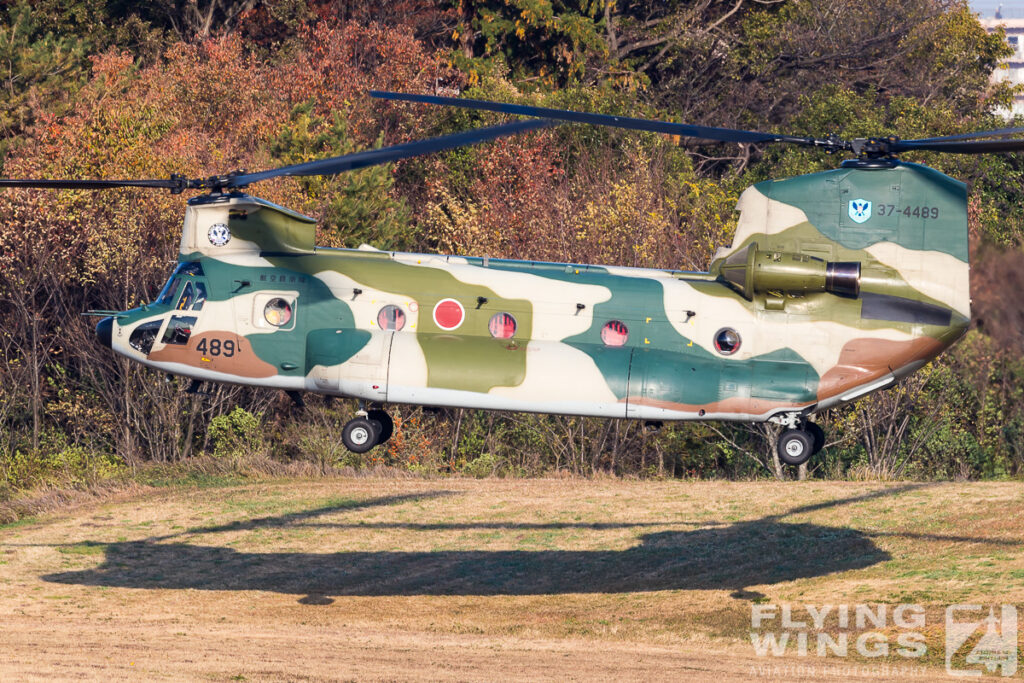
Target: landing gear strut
367, 429
798, 443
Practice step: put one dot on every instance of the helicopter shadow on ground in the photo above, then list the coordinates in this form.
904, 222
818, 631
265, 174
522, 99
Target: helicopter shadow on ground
720, 557
712, 555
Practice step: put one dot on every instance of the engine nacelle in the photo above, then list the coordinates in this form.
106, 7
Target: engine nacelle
752, 271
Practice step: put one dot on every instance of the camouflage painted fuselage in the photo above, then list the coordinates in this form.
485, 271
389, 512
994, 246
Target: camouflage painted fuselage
802, 347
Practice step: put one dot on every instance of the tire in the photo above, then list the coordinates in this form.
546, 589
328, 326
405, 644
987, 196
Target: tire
359, 435
795, 446
818, 434
387, 425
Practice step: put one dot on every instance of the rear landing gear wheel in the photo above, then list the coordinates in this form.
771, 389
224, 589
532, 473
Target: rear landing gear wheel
818, 434
360, 434
795, 446
387, 425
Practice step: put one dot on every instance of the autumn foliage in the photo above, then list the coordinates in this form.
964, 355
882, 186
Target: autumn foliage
144, 95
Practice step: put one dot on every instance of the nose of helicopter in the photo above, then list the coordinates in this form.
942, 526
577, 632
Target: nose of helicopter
104, 330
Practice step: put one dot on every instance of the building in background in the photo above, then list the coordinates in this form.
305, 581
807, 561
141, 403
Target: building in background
1010, 16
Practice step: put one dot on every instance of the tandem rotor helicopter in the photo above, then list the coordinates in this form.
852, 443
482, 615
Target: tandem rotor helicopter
837, 284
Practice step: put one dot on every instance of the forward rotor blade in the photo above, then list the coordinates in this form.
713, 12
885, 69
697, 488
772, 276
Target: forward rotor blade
331, 166
170, 184
373, 157
703, 132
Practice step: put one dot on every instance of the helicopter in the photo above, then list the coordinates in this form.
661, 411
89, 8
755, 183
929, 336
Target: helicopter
837, 284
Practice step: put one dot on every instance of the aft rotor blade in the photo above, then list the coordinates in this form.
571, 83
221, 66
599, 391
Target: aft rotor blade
667, 127
1000, 132
373, 157
960, 147
176, 184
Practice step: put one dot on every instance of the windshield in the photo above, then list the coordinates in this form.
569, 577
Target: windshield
171, 288
186, 297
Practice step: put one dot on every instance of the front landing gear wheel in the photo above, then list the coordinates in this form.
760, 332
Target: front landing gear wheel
795, 446
817, 434
359, 435
387, 425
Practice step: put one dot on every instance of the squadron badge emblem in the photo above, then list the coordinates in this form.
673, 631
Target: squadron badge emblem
860, 210
220, 235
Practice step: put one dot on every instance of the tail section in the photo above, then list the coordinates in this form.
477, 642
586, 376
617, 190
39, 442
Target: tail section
904, 224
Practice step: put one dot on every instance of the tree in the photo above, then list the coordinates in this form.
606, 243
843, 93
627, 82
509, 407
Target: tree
356, 207
36, 67
196, 20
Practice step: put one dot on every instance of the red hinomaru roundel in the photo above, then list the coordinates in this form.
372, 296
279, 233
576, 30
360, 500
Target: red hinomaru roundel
449, 314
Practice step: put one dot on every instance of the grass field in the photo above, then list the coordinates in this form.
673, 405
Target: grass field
495, 579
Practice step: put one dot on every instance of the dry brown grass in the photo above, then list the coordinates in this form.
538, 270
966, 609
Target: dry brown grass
477, 580
64, 499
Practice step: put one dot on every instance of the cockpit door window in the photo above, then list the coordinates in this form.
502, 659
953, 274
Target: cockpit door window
179, 329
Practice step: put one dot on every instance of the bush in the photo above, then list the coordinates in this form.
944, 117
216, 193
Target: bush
486, 465
73, 466
237, 434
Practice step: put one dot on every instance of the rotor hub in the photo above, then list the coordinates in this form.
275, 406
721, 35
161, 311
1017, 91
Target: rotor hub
874, 148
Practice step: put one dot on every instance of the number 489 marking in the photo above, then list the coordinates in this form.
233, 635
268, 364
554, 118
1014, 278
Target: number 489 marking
217, 347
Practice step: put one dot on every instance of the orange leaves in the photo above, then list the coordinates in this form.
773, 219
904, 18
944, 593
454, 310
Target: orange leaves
510, 202
341, 63
203, 109
110, 68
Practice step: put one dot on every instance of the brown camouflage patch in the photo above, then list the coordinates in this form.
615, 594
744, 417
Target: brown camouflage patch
863, 360
242, 360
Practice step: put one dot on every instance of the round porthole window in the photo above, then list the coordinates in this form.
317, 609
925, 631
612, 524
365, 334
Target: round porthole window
502, 326
727, 341
391, 318
614, 333
277, 312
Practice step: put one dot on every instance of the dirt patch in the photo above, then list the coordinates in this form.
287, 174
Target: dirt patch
477, 580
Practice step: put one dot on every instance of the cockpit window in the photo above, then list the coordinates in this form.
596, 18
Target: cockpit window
179, 329
200, 297
194, 269
186, 297
144, 335
168, 291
